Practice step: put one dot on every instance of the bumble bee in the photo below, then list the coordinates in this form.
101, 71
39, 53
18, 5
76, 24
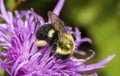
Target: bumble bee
56, 36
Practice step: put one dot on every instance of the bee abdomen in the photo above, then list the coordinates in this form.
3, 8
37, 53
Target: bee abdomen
46, 32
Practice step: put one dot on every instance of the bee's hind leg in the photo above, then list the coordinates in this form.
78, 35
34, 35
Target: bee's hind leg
53, 48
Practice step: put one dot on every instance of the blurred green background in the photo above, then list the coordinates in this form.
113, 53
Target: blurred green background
97, 19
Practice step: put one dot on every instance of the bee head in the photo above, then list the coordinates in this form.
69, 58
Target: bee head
65, 45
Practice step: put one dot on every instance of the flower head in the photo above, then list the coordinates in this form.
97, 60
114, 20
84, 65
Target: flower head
23, 58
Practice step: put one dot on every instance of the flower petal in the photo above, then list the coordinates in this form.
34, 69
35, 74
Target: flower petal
96, 65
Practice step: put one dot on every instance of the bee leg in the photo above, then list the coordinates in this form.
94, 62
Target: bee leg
41, 43
53, 49
63, 57
51, 53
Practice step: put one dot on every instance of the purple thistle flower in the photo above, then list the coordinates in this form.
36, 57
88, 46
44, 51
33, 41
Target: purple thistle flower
23, 58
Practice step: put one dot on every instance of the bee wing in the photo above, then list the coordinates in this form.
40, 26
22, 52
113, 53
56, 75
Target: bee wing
57, 23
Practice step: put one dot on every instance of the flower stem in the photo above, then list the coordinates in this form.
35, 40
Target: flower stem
16, 5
